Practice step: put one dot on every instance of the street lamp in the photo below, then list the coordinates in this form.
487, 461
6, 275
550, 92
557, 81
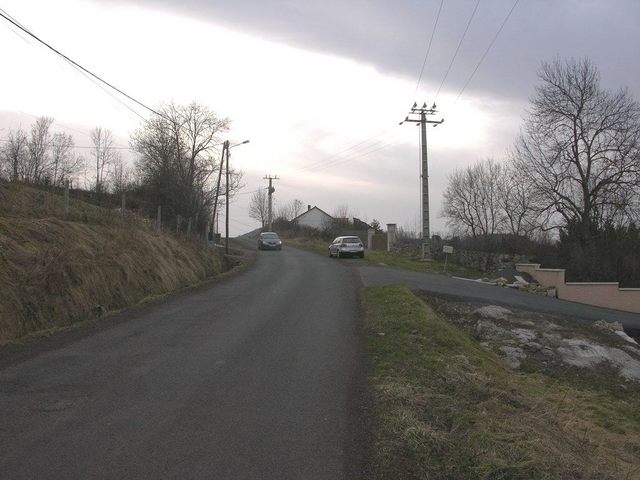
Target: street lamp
225, 151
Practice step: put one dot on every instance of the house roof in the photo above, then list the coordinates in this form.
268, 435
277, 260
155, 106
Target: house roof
314, 208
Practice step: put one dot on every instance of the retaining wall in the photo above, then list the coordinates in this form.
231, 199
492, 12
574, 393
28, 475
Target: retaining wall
601, 294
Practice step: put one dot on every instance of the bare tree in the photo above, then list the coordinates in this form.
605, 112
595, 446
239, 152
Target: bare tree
14, 154
579, 147
520, 203
103, 154
37, 165
290, 210
341, 211
120, 175
472, 199
178, 159
259, 207
64, 162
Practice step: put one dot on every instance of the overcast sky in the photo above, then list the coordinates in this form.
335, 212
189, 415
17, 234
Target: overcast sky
317, 87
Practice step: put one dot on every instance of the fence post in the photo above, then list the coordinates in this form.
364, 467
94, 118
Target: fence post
391, 236
66, 198
189, 228
124, 206
159, 221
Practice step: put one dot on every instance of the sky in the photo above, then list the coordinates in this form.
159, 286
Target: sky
318, 88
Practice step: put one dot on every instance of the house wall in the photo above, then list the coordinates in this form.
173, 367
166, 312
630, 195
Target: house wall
601, 294
314, 218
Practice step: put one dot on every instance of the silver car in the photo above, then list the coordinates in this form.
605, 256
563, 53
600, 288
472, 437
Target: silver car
346, 246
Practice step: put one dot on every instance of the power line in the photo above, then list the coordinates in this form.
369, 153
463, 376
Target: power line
13, 30
8, 18
464, 34
322, 161
351, 158
107, 92
59, 123
339, 156
487, 50
426, 55
113, 147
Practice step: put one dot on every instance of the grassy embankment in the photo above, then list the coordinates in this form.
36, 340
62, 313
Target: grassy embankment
446, 408
56, 271
391, 259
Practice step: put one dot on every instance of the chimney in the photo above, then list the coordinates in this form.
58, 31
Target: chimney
308, 207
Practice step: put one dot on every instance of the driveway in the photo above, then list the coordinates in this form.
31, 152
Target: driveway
482, 293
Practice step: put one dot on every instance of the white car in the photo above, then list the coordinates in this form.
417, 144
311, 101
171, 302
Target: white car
346, 246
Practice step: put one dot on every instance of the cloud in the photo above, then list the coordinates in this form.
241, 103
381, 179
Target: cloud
318, 87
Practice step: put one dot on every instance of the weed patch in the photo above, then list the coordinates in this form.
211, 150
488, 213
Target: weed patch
447, 408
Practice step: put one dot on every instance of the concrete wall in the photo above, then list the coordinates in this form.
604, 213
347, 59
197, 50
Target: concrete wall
601, 294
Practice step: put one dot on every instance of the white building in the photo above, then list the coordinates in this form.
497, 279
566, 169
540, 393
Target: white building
314, 218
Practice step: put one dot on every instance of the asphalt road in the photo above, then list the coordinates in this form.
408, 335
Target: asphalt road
252, 378
478, 292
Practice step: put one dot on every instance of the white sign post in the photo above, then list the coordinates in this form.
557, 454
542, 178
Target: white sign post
446, 249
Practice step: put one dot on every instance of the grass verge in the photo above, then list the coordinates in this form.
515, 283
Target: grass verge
392, 259
446, 408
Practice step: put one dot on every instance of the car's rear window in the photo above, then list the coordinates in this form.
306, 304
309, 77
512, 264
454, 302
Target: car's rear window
352, 240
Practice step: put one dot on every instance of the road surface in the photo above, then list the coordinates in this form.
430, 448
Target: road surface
478, 292
253, 378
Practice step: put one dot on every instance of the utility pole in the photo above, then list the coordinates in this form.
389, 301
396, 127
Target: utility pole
270, 192
214, 216
226, 203
419, 116
225, 156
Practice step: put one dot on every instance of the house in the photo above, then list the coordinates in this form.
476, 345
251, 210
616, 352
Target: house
314, 218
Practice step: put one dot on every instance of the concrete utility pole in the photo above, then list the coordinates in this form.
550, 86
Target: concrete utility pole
270, 192
421, 113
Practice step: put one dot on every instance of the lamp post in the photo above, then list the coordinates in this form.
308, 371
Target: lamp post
226, 201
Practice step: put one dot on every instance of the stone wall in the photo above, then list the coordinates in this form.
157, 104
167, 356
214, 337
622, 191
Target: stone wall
483, 261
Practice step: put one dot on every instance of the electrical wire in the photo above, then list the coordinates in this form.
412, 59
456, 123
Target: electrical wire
342, 161
114, 147
464, 34
8, 18
91, 79
504, 22
426, 55
59, 123
355, 146
14, 31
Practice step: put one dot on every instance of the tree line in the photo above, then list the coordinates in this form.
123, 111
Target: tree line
40, 157
176, 166
574, 169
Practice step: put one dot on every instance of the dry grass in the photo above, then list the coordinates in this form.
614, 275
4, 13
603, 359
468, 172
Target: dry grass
54, 271
445, 408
